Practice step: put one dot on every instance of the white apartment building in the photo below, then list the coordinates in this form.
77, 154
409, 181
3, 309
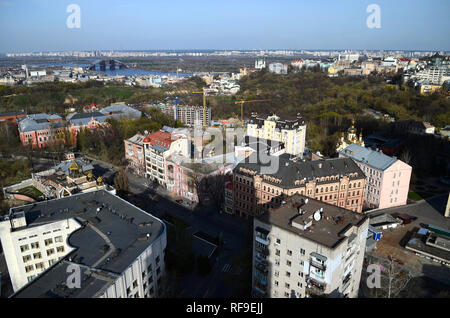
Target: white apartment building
118, 248
157, 147
290, 132
278, 68
433, 74
388, 178
307, 248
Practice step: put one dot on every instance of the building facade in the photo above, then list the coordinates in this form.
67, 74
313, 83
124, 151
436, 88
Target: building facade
134, 153
338, 182
157, 146
291, 133
388, 178
307, 248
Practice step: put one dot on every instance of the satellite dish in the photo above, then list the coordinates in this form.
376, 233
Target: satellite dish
317, 216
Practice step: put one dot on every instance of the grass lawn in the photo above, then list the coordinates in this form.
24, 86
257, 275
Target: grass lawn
417, 196
31, 192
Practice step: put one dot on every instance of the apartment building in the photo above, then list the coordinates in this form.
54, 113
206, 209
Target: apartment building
307, 248
188, 115
388, 178
157, 146
118, 248
291, 133
134, 153
185, 176
338, 182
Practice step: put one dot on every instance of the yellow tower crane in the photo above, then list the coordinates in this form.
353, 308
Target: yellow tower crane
242, 102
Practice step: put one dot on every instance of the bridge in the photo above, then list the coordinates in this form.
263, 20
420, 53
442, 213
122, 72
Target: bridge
103, 65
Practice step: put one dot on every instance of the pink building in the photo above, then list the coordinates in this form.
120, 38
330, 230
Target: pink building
40, 130
183, 174
387, 183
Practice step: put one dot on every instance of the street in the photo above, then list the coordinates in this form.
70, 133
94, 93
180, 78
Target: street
235, 232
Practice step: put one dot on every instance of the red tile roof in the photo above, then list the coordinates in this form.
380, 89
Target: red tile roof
160, 138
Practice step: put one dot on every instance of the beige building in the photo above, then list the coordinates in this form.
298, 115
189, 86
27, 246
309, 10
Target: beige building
308, 248
290, 132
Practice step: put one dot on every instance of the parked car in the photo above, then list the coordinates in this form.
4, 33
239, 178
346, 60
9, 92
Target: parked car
405, 218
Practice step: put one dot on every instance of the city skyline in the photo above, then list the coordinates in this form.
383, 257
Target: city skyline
32, 26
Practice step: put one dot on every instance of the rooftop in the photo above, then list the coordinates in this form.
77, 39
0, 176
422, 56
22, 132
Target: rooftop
289, 171
159, 138
373, 158
328, 230
128, 229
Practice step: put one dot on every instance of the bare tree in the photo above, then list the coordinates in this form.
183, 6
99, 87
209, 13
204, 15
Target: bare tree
393, 278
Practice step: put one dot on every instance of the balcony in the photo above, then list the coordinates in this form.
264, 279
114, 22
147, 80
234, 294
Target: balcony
262, 236
263, 250
318, 265
314, 286
261, 266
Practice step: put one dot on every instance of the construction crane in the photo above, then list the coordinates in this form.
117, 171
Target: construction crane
242, 102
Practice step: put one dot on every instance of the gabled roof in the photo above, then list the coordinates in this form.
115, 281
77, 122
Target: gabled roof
373, 158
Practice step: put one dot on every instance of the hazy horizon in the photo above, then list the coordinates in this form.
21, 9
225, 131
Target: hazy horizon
41, 25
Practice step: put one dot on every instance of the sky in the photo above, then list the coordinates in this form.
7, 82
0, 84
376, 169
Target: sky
41, 25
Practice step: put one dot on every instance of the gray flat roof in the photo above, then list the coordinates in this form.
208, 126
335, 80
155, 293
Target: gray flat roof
123, 224
328, 231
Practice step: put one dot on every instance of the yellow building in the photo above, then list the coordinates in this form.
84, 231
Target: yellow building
290, 132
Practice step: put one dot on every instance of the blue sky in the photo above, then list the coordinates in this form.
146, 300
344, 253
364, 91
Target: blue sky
40, 25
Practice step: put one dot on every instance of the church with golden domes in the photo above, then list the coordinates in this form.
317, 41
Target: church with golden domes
351, 138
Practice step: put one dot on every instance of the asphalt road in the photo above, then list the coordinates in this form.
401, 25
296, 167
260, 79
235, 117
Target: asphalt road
235, 232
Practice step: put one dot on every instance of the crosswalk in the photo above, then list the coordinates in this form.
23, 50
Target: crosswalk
226, 268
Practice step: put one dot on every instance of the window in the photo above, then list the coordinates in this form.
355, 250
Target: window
50, 252
47, 242
149, 268
287, 285
276, 273
29, 268
157, 259
37, 255
26, 258
302, 251
276, 283
286, 294
24, 248
135, 284
277, 252
35, 245
289, 252
300, 274
278, 241
58, 239
288, 274
60, 249
39, 265
288, 263
299, 284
